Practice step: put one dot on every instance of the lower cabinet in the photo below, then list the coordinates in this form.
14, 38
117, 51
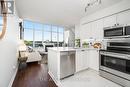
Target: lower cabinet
82, 60
94, 59
87, 58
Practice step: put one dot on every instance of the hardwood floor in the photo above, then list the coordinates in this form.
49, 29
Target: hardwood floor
34, 75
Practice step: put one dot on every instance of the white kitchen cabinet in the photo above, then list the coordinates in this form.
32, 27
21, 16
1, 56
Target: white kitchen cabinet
110, 21
97, 29
94, 59
85, 32
82, 60
87, 58
123, 18
92, 30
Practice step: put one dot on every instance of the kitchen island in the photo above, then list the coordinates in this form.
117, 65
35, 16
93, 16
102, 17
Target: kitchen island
61, 62
66, 61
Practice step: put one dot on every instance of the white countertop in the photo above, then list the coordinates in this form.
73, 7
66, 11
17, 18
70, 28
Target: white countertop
62, 49
70, 49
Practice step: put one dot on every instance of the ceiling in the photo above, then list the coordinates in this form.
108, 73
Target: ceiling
104, 4
57, 12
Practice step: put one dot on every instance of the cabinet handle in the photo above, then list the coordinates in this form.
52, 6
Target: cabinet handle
82, 50
128, 56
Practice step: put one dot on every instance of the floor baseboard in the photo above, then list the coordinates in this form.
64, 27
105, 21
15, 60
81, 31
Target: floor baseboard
13, 77
55, 81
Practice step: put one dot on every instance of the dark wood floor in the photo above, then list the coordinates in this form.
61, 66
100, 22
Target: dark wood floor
34, 75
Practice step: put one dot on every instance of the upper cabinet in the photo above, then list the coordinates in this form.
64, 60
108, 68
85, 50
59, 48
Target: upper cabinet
117, 19
92, 30
123, 18
110, 21
86, 32
97, 29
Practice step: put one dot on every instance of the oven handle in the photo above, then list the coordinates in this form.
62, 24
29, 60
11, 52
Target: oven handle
111, 54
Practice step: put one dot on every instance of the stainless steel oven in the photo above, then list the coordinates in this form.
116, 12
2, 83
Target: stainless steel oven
117, 32
115, 62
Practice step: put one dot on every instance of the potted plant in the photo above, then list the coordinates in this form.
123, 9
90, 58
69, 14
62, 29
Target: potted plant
77, 42
85, 45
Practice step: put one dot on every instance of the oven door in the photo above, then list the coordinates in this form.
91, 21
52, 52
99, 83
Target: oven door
115, 63
113, 32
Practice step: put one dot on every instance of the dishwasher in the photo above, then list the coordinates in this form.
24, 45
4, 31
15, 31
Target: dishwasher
67, 64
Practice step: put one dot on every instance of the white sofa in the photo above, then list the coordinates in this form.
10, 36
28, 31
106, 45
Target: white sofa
34, 56
27, 51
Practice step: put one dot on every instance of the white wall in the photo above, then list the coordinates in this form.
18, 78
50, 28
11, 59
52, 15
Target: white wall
8, 51
77, 32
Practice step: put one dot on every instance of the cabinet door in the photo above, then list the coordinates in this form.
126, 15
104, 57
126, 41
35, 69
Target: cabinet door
97, 29
94, 59
123, 18
110, 21
85, 32
79, 59
85, 59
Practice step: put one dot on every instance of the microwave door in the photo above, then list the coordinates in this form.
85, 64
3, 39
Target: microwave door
113, 32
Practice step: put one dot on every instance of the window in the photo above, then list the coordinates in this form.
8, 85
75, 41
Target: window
54, 33
61, 34
35, 34
61, 37
54, 37
38, 26
47, 28
47, 36
61, 30
28, 37
28, 24
54, 29
28, 33
47, 33
38, 34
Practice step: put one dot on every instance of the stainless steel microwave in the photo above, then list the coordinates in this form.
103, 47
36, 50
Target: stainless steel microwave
117, 31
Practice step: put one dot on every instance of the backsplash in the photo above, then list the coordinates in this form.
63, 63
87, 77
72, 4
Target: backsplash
91, 42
